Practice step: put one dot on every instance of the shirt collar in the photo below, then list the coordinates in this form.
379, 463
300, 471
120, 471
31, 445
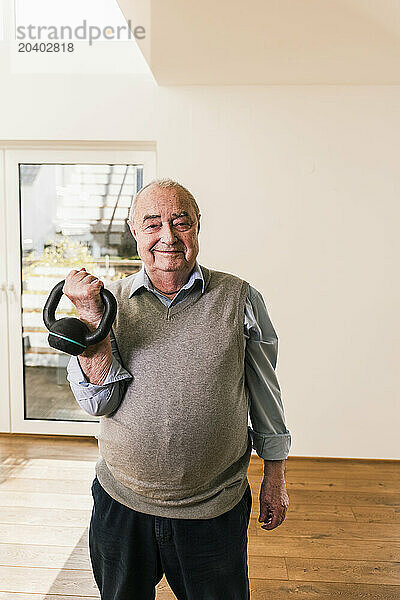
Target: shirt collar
141, 279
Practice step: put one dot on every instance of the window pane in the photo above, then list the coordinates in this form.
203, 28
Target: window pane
72, 216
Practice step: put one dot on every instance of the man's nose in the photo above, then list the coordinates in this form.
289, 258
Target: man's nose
168, 236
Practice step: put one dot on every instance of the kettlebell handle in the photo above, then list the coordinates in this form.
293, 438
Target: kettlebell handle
94, 337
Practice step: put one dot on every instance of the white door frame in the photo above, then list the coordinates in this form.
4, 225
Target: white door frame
14, 421
5, 418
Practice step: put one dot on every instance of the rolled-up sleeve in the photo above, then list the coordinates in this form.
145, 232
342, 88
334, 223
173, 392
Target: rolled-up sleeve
270, 437
104, 399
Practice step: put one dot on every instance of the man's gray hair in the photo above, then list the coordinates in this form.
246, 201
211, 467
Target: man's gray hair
165, 183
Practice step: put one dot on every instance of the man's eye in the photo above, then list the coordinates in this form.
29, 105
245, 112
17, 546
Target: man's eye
182, 225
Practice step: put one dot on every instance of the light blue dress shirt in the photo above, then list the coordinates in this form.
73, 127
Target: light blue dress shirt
270, 437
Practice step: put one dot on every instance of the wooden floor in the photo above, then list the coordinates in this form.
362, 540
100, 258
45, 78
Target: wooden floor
340, 538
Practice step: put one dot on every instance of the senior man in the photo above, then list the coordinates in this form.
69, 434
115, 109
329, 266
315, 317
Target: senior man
191, 354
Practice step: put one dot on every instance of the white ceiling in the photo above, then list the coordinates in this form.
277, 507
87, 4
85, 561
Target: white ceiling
232, 42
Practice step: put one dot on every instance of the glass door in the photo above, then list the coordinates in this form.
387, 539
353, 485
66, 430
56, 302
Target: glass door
65, 210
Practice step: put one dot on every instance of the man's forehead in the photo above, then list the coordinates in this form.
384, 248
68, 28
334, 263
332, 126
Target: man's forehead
166, 200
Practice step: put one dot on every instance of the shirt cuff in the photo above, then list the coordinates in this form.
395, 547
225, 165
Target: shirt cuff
273, 446
76, 375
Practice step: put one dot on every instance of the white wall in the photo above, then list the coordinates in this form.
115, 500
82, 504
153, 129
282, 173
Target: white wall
299, 192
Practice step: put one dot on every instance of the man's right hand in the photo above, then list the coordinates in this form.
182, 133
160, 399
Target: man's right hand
83, 289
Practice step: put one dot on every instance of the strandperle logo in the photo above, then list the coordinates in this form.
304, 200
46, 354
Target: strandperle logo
82, 32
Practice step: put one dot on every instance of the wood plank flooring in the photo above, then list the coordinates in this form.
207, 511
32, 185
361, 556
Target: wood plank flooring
340, 538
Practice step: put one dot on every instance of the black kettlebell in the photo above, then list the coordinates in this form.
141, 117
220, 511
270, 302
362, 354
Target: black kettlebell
71, 335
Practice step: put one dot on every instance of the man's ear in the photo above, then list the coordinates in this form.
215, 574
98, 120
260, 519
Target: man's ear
198, 223
131, 227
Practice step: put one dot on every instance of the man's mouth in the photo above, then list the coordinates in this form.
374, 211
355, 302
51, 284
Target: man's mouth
168, 251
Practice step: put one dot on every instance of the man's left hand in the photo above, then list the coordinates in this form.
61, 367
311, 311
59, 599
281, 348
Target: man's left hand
274, 503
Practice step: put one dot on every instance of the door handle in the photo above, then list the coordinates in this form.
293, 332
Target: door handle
12, 290
3, 290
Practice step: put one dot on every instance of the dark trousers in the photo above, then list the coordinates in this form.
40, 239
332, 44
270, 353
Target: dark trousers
203, 559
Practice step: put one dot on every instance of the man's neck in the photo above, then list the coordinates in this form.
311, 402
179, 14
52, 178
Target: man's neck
170, 296
169, 282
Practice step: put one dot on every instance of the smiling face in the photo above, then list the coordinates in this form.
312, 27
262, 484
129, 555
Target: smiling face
166, 230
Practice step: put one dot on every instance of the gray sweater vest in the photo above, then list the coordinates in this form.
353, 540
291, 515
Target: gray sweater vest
178, 444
